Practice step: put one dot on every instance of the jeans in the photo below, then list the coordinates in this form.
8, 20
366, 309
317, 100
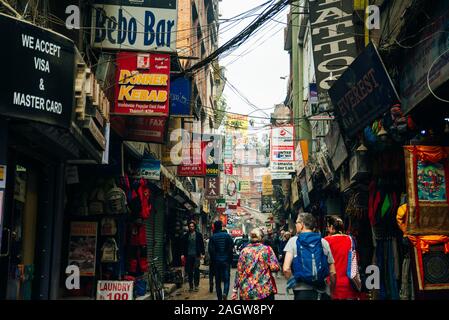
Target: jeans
222, 274
310, 295
193, 270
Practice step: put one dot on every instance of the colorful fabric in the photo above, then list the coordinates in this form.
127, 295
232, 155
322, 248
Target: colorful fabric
254, 277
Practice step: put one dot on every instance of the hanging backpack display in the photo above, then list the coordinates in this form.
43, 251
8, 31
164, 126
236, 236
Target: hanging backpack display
108, 227
116, 201
96, 201
109, 251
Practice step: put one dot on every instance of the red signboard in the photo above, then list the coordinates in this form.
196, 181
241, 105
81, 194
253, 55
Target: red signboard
228, 169
197, 166
142, 84
236, 233
142, 129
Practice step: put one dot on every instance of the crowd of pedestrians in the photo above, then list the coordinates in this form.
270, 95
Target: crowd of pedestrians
316, 267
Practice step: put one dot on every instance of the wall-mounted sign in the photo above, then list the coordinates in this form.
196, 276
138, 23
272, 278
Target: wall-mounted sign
221, 205
38, 74
364, 92
115, 290
145, 25
333, 51
336, 145
180, 96
141, 129
282, 149
142, 84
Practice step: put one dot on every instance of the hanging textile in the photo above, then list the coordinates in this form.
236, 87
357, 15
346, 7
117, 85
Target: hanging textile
427, 173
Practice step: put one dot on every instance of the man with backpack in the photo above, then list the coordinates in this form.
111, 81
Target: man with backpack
308, 261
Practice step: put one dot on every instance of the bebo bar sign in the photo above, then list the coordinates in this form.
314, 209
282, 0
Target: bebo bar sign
134, 28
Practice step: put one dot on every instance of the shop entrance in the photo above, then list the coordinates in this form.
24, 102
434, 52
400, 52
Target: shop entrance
18, 260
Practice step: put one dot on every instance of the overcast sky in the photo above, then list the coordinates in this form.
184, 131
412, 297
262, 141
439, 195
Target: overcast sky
257, 74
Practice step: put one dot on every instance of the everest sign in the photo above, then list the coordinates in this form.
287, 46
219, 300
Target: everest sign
142, 25
143, 84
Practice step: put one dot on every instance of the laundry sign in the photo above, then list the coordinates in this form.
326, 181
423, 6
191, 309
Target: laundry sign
115, 290
134, 25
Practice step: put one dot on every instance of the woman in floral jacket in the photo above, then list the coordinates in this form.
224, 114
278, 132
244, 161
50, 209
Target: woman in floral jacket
254, 279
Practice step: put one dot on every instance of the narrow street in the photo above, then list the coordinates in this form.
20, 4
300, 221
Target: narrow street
204, 294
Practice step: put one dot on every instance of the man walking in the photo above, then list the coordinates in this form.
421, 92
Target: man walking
193, 252
220, 251
311, 259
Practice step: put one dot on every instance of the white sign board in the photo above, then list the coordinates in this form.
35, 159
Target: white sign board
115, 290
134, 28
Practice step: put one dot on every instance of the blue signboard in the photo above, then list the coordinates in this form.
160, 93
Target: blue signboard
180, 95
148, 169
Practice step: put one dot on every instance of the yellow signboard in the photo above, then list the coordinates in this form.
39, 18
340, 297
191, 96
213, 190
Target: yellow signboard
267, 187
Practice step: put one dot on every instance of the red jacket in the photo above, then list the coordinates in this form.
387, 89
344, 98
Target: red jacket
340, 245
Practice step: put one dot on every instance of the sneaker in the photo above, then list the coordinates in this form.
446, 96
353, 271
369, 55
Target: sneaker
197, 289
191, 289
225, 298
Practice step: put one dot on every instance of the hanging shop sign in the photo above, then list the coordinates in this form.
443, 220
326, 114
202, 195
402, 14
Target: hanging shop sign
336, 145
267, 186
212, 190
304, 191
221, 205
171, 154
148, 169
299, 160
236, 122
144, 25
245, 186
295, 191
228, 148
38, 75
115, 290
143, 84
266, 204
228, 168
333, 51
213, 153
364, 92
282, 149
231, 189
417, 63
83, 246
141, 129
180, 96
194, 164
224, 219
280, 176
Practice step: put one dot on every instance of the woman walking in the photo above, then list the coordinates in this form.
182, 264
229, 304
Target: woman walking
340, 245
254, 277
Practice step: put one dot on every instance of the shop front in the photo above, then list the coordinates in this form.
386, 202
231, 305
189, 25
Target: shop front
39, 134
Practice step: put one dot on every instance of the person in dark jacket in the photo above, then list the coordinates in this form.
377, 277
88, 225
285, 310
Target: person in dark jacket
193, 251
220, 250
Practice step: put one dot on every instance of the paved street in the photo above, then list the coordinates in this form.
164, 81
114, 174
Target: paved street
204, 294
